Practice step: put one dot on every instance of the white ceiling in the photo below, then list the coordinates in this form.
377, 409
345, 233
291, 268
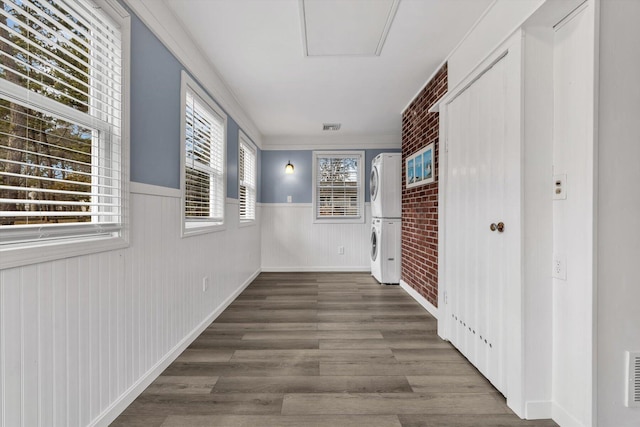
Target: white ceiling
328, 30
257, 47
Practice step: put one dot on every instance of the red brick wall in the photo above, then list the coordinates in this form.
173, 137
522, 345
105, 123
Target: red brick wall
420, 204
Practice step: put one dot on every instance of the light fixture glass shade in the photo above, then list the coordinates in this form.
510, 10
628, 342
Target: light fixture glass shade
289, 168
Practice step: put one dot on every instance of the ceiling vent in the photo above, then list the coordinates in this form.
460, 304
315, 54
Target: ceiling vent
633, 375
331, 126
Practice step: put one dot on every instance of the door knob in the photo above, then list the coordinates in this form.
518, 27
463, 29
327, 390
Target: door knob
499, 226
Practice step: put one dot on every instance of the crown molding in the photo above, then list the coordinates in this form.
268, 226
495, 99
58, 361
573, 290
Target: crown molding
157, 16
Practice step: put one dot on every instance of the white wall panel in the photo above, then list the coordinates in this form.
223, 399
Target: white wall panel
78, 336
573, 237
501, 20
537, 218
618, 222
30, 345
292, 242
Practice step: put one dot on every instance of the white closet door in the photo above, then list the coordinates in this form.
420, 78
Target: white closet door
476, 196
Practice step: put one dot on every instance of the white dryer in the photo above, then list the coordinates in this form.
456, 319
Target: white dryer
385, 250
385, 186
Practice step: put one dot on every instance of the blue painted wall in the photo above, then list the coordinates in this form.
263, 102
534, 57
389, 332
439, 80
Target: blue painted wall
155, 115
276, 185
155, 110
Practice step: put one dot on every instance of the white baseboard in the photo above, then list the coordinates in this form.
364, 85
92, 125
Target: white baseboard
538, 410
315, 269
432, 309
564, 418
117, 407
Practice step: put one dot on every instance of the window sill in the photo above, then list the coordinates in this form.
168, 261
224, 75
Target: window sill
23, 255
196, 228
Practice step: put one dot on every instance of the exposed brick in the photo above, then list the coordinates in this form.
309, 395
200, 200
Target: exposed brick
420, 204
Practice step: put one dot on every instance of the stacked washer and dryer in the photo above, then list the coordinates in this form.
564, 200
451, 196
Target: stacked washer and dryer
386, 210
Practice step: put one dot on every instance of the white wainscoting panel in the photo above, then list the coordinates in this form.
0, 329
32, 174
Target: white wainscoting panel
292, 242
78, 334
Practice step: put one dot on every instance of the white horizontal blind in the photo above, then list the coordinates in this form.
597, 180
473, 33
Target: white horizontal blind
338, 189
60, 121
204, 163
247, 196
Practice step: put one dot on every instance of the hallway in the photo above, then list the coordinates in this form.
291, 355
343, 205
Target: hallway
321, 349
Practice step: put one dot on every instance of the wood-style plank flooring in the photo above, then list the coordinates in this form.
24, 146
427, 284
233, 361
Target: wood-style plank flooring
321, 349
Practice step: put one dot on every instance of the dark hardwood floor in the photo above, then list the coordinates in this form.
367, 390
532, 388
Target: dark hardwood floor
321, 349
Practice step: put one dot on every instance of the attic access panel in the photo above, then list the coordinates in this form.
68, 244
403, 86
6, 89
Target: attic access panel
346, 27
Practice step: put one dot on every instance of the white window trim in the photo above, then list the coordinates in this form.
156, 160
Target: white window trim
242, 138
188, 83
361, 171
37, 252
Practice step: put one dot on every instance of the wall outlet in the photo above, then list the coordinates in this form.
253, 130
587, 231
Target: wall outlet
340, 250
560, 187
559, 267
288, 199
205, 284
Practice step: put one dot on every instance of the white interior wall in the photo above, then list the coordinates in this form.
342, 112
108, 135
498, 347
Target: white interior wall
572, 305
618, 248
537, 219
499, 21
81, 337
292, 242
573, 155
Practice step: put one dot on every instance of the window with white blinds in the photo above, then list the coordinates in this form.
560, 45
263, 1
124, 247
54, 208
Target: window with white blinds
247, 176
204, 190
338, 186
61, 115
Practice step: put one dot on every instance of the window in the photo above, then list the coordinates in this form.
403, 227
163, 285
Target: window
204, 137
338, 190
247, 179
62, 144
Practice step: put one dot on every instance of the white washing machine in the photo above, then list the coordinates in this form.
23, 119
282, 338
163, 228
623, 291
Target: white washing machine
385, 250
385, 186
